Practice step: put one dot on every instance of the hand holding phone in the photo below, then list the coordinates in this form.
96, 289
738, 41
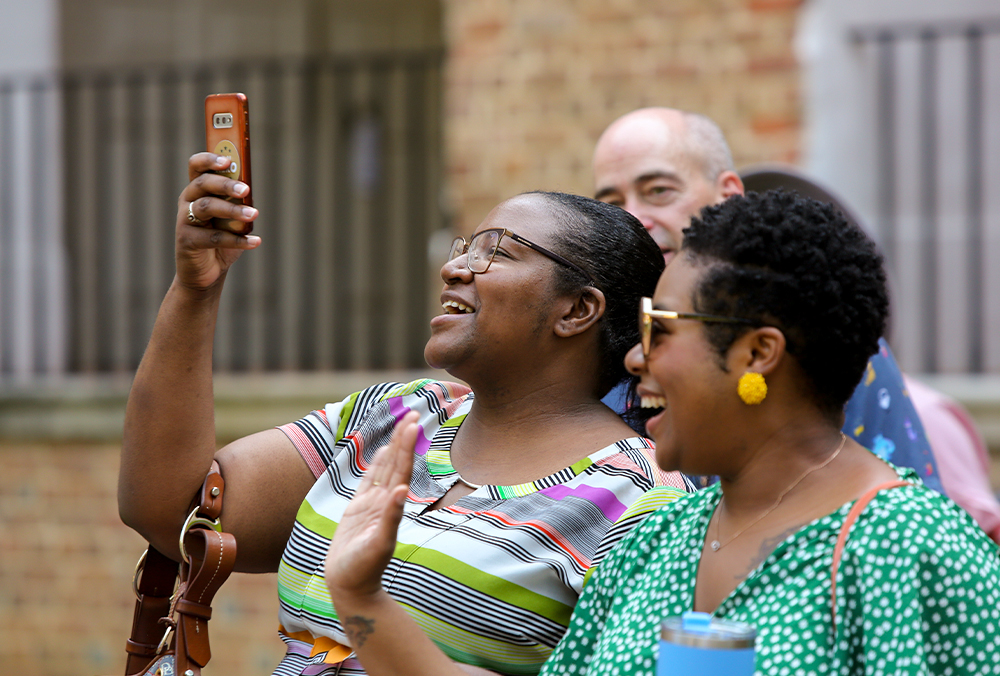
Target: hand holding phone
227, 132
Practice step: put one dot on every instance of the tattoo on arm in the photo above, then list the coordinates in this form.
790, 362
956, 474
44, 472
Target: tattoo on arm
766, 547
358, 629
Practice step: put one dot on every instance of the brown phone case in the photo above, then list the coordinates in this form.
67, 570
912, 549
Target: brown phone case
227, 132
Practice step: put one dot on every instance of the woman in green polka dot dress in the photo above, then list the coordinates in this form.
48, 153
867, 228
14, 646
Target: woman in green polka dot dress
784, 289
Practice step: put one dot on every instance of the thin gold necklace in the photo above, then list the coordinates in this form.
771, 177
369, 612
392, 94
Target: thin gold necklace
716, 545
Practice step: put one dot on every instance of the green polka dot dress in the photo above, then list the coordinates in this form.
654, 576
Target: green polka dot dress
918, 592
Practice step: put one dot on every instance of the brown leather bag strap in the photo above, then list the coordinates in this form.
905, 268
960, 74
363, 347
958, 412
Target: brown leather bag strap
153, 591
838, 550
212, 556
210, 497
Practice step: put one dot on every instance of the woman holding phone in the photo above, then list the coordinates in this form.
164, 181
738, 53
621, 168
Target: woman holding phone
520, 483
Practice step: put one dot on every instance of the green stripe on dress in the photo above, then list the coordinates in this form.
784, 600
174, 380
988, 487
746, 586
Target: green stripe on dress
474, 578
345, 415
652, 500
455, 421
405, 389
459, 571
305, 591
314, 521
438, 463
469, 648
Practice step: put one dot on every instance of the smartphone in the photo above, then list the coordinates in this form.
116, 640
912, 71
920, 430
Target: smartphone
227, 132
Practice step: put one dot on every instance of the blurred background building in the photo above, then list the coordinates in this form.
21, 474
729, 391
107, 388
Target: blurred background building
380, 129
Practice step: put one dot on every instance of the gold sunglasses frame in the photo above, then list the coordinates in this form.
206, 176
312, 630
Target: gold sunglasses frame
647, 313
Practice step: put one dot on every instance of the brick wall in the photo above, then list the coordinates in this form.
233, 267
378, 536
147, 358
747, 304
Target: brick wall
530, 85
66, 564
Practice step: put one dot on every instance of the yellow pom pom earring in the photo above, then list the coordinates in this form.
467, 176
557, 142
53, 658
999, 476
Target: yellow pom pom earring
751, 388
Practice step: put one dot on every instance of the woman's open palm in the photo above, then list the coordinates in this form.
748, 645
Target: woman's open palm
366, 535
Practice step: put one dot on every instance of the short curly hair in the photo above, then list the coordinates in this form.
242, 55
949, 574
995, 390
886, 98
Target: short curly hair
778, 259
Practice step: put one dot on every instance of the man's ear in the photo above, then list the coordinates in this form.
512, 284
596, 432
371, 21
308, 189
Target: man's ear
760, 350
728, 184
586, 310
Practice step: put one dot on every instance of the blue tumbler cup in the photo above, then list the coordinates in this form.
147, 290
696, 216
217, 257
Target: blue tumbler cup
697, 643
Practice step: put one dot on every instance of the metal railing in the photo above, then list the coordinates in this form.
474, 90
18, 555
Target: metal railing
936, 122
346, 174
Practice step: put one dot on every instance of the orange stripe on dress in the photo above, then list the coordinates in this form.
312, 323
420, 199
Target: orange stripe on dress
335, 652
554, 536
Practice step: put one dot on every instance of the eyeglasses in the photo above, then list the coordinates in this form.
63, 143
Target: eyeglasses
646, 314
483, 247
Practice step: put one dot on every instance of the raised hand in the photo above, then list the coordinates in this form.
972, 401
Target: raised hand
366, 535
203, 253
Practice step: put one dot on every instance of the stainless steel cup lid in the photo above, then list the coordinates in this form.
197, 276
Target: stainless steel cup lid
701, 630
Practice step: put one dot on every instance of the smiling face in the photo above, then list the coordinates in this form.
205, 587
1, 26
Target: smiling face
497, 319
683, 377
644, 164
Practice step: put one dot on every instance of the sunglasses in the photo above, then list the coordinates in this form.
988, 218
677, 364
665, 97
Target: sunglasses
647, 313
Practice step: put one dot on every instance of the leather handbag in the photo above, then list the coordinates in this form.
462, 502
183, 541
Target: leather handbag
174, 600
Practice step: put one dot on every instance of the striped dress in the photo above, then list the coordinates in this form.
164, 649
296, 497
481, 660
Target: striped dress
492, 579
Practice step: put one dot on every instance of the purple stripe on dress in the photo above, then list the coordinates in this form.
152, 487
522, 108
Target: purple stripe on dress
397, 410
294, 646
604, 499
308, 665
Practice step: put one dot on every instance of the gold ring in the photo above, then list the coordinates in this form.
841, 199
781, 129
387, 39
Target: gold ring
375, 483
192, 219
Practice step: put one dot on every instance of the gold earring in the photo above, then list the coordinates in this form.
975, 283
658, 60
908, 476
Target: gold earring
751, 388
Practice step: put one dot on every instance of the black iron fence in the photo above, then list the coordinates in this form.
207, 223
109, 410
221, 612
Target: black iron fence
347, 171
937, 131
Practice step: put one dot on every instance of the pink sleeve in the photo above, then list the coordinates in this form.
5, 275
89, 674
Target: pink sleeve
960, 453
305, 448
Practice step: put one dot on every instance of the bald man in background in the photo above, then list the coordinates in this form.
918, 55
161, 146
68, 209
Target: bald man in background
663, 166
